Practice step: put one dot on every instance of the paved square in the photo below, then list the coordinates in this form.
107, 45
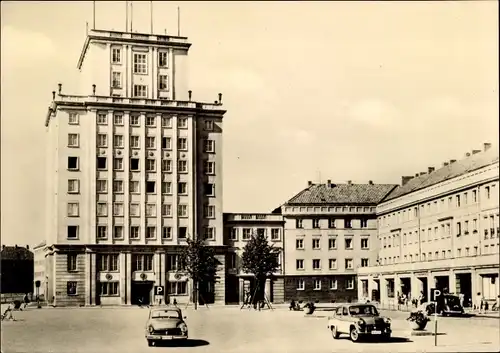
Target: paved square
225, 329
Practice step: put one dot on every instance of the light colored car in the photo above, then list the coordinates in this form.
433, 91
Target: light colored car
165, 323
358, 320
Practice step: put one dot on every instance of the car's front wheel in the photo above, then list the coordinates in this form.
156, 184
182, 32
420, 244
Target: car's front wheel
354, 335
151, 343
335, 333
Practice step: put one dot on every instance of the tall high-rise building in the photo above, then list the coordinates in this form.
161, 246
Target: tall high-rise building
134, 167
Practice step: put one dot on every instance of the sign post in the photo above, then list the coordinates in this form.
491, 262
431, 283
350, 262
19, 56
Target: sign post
159, 292
437, 293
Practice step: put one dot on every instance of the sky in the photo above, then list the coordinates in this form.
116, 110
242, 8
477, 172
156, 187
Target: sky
313, 90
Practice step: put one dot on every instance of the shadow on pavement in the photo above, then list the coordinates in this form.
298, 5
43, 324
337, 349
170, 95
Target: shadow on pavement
369, 339
182, 343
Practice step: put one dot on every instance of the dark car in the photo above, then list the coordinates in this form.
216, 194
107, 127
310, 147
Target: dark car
447, 304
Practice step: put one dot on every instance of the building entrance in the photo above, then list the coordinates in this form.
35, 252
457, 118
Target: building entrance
464, 286
443, 283
141, 293
423, 289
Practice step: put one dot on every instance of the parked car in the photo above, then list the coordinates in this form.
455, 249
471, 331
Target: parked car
165, 324
359, 320
447, 304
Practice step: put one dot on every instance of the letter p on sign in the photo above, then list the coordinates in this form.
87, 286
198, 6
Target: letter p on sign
159, 290
437, 293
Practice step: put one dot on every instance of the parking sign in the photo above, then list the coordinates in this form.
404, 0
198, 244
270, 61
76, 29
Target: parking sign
159, 290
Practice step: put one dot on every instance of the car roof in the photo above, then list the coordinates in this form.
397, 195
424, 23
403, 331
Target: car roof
164, 308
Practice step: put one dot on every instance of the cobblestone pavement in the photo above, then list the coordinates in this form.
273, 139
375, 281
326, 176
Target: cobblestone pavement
227, 329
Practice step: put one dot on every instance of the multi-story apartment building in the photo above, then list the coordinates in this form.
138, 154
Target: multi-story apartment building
330, 231
134, 167
238, 229
439, 229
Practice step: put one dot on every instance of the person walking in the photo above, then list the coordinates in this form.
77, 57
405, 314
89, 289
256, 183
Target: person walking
461, 297
478, 305
26, 301
8, 312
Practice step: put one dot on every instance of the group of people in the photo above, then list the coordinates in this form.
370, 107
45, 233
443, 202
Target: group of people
15, 305
481, 305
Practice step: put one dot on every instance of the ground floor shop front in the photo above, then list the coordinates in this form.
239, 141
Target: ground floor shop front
385, 284
242, 287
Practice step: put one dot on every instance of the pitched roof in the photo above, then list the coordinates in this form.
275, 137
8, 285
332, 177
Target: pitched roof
342, 194
469, 164
15, 253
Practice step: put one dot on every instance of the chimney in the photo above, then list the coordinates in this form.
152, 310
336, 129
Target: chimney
445, 164
416, 175
220, 98
27, 247
93, 90
405, 179
452, 161
53, 95
329, 183
430, 169
467, 155
309, 183
60, 87
190, 93
423, 173
487, 146
475, 151
370, 182
349, 182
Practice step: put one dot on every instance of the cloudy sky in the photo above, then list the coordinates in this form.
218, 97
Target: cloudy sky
314, 90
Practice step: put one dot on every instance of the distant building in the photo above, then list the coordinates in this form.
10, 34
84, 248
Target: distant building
16, 269
40, 283
439, 229
330, 231
238, 229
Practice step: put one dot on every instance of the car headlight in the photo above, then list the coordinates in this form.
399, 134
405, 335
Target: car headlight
151, 328
183, 327
387, 321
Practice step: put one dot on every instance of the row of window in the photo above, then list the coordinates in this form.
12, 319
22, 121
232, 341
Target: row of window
332, 243
332, 264
332, 284
139, 90
113, 288
73, 210
332, 223
140, 60
247, 233
442, 205
135, 232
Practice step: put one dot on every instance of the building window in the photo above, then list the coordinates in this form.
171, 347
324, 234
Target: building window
209, 146
118, 232
118, 141
316, 244
102, 119
150, 142
109, 289
182, 143
140, 91
166, 210
316, 223
73, 119
140, 64
209, 211
116, 57
118, 186
73, 186
459, 229
73, 209
347, 223
118, 163
72, 163
73, 140
102, 209
182, 188
134, 187
209, 125
488, 194
247, 233
150, 165
151, 232
134, 142
301, 284
134, 232
331, 223
317, 284
364, 243
166, 143
182, 123
163, 82
71, 262
71, 287
474, 196
232, 261
182, 211
298, 223
177, 288
150, 210
299, 244
457, 201
182, 232
299, 264
364, 262
349, 284
166, 233
166, 187
348, 243
142, 262
173, 263
333, 284
162, 59
364, 223
182, 166
116, 79
275, 234
118, 119
72, 232
316, 264
233, 234
150, 122
332, 243
209, 233
108, 262
102, 232
332, 264
134, 120
150, 187
209, 189
348, 264
102, 163
166, 165
209, 168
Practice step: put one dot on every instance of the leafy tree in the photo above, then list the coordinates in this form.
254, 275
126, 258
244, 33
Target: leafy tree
199, 263
260, 258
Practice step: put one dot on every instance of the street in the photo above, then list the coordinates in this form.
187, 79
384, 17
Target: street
227, 329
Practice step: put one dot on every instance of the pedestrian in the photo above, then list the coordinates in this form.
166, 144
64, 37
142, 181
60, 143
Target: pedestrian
26, 300
8, 312
461, 297
175, 302
478, 305
292, 305
496, 305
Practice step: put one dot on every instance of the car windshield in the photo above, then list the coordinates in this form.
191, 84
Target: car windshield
363, 310
452, 300
165, 314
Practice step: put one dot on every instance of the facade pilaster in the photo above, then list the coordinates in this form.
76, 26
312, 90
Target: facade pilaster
128, 282
123, 278
241, 293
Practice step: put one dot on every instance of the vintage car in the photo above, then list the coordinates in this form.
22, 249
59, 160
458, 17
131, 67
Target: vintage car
165, 323
447, 305
358, 320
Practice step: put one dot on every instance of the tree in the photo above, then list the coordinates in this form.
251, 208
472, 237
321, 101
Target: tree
260, 258
199, 263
